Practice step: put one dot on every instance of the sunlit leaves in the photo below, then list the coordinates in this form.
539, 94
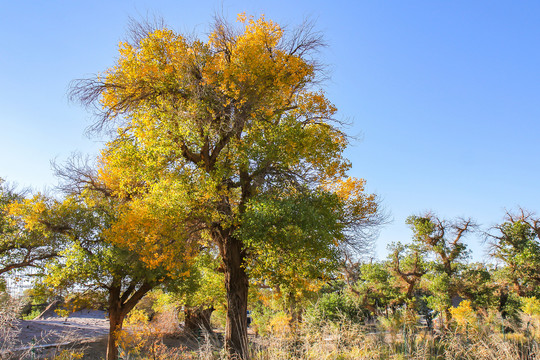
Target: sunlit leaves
230, 144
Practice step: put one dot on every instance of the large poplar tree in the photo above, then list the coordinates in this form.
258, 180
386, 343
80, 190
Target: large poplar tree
235, 135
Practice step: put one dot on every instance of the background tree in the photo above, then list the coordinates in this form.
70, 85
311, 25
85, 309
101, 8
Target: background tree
478, 285
444, 241
201, 293
408, 264
516, 243
376, 288
89, 259
20, 246
225, 127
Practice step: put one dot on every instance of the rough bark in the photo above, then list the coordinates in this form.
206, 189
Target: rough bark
236, 285
120, 304
197, 319
115, 322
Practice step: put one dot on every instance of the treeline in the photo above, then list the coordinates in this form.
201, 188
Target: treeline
432, 274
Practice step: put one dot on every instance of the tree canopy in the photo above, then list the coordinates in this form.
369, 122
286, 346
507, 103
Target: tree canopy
221, 133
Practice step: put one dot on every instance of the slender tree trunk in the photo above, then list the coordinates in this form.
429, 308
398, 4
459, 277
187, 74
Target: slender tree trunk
120, 304
236, 285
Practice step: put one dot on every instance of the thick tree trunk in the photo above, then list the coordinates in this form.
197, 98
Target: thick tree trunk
294, 311
116, 321
197, 319
503, 300
236, 285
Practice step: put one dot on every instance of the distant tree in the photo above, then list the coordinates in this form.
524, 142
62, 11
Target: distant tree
376, 288
478, 285
443, 240
516, 243
408, 264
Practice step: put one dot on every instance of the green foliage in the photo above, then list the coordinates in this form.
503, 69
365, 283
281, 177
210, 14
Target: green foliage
32, 314
477, 284
408, 265
443, 241
439, 287
517, 245
376, 288
334, 308
286, 230
203, 287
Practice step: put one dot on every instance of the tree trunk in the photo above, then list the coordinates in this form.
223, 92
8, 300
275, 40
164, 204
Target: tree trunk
198, 319
294, 311
447, 318
120, 304
503, 300
236, 285
116, 321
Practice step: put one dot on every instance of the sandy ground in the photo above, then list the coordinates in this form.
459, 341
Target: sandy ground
86, 329
85, 324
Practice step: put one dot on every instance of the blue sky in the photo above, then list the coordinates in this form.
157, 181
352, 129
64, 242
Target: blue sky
444, 95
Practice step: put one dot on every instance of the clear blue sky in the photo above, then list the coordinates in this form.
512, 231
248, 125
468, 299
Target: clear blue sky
444, 94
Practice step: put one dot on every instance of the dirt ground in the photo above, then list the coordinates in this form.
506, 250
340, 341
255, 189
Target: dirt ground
85, 330
82, 329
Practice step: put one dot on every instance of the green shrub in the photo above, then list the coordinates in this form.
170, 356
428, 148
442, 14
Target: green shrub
335, 308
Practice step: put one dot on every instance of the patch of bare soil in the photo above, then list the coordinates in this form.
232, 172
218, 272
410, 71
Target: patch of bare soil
81, 324
85, 328
85, 331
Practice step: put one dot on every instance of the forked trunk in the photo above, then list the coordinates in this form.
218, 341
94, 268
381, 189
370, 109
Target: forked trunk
120, 304
236, 285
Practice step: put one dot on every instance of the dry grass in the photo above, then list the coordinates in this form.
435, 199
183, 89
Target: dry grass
384, 340
358, 342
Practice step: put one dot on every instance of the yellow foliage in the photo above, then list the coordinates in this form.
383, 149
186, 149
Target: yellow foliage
69, 355
31, 210
464, 316
136, 317
205, 125
279, 325
351, 191
137, 334
531, 305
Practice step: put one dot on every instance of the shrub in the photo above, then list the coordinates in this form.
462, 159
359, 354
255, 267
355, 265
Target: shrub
334, 308
464, 316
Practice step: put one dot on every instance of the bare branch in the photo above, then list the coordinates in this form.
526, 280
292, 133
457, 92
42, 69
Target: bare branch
139, 29
77, 174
